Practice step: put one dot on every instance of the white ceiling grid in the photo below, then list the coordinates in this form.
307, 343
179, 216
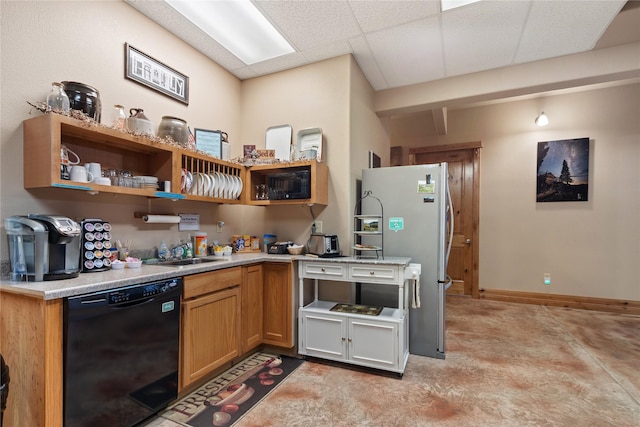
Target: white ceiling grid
402, 42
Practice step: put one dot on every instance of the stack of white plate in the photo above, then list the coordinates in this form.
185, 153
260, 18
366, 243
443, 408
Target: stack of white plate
147, 181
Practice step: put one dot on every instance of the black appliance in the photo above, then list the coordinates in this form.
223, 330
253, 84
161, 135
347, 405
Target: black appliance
289, 185
279, 248
43, 247
97, 249
121, 354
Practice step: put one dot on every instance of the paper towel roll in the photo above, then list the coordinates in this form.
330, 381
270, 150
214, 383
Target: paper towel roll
161, 219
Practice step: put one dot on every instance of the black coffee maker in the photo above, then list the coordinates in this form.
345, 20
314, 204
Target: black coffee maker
43, 247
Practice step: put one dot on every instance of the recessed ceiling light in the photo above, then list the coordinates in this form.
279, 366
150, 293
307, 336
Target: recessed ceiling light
238, 26
451, 4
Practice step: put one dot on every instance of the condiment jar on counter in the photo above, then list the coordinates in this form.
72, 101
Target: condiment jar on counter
174, 127
138, 122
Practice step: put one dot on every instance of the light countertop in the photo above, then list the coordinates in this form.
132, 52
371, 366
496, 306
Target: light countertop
111, 279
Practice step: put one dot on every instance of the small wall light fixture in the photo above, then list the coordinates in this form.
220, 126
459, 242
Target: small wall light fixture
542, 119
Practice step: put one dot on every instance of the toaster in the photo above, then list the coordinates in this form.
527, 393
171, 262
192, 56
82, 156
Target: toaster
323, 245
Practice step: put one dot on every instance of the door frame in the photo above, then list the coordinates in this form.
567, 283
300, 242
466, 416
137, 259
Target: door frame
475, 212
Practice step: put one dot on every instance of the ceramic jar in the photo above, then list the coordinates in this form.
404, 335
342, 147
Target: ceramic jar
138, 122
175, 128
84, 98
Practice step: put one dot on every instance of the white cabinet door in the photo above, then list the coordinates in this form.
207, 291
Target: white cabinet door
374, 343
324, 336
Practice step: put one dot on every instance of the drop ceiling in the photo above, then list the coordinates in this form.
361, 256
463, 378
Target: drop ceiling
399, 43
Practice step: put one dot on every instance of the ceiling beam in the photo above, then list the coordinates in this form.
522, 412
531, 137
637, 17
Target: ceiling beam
612, 64
440, 120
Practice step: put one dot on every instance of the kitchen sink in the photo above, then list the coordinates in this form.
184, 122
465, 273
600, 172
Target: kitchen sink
189, 261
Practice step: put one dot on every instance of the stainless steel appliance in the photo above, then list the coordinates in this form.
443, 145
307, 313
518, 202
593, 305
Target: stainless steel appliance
43, 247
415, 200
326, 245
121, 354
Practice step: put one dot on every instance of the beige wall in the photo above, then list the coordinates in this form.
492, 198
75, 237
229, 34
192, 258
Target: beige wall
44, 42
590, 248
311, 96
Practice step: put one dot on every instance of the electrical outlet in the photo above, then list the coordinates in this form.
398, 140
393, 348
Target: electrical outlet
547, 278
317, 226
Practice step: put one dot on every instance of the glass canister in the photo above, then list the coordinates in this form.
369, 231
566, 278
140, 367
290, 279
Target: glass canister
174, 127
57, 99
118, 117
84, 98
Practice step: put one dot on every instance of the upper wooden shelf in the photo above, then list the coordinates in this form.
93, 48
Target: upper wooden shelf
46, 134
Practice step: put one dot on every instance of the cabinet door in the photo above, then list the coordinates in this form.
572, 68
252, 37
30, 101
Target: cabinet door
252, 312
323, 336
210, 333
373, 343
278, 308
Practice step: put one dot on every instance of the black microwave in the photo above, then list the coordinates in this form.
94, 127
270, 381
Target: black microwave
289, 185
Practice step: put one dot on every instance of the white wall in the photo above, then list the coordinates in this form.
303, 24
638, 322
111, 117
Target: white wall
590, 248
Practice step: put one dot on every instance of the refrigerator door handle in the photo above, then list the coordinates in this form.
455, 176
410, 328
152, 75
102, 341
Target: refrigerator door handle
441, 317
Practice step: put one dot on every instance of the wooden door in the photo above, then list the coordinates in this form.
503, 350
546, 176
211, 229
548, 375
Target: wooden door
278, 300
252, 297
464, 162
211, 333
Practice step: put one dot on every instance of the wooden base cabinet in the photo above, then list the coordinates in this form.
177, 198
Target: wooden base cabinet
278, 305
211, 322
252, 311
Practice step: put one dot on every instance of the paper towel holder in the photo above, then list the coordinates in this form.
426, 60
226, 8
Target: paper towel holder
167, 218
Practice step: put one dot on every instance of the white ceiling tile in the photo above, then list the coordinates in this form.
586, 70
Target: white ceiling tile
331, 50
424, 64
367, 63
307, 24
373, 15
482, 35
565, 27
280, 63
402, 42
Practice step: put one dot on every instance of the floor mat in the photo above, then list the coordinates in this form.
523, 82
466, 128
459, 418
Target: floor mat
229, 396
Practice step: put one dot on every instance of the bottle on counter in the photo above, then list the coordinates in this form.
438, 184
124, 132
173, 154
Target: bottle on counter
163, 251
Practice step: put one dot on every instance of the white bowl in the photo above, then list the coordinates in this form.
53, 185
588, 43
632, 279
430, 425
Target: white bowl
218, 253
118, 265
226, 253
136, 264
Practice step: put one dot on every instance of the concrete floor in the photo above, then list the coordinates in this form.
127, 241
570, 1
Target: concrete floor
506, 365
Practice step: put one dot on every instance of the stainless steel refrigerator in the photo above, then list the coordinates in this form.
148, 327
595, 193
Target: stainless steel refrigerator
415, 202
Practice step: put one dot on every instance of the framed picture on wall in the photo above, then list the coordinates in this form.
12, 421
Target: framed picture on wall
143, 69
563, 171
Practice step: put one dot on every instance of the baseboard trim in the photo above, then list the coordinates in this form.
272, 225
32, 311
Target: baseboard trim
568, 301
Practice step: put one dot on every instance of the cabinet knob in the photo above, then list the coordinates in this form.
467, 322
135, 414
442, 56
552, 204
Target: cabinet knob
349, 339
322, 269
343, 339
371, 273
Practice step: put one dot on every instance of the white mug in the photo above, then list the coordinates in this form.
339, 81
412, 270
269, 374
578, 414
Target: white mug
95, 169
80, 174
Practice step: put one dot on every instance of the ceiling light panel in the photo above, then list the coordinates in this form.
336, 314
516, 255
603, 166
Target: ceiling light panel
236, 25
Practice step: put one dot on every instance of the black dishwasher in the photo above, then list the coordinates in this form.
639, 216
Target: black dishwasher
121, 354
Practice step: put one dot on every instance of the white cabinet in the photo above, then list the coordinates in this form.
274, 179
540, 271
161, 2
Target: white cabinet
377, 341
